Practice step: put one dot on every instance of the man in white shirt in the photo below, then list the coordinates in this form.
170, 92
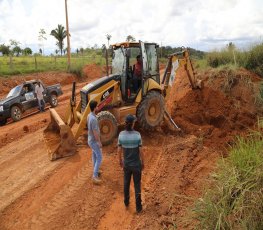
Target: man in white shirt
40, 98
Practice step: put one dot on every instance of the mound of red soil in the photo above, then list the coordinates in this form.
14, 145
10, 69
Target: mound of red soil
93, 71
223, 109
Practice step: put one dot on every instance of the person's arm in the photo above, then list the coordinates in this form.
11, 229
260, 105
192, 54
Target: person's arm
141, 152
119, 152
141, 156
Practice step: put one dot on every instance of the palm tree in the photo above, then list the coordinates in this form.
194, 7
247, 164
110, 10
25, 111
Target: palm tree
59, 33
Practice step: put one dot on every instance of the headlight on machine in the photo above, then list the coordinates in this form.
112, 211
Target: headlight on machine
1, 108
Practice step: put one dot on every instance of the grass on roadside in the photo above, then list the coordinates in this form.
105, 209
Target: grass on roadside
31, 64
235, 201
251, 59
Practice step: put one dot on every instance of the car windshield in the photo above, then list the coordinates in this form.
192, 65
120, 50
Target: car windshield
14, 92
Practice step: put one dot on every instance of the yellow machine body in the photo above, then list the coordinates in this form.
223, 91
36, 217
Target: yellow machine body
117, 98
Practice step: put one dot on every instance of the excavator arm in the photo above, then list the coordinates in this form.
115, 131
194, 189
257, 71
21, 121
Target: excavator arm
175, 61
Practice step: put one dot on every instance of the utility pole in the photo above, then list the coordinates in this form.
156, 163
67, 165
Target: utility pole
68, 41
161, 49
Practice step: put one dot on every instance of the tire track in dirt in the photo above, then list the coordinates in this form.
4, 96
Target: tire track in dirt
59, 201
18, 167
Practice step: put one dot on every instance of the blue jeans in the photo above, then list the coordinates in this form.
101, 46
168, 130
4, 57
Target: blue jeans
41, 104
96, 157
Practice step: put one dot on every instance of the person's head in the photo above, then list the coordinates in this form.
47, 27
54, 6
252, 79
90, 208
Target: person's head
138, 58
129, 122
93, 105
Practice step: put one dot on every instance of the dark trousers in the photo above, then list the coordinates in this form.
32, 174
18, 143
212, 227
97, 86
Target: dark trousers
136, 173
136, 83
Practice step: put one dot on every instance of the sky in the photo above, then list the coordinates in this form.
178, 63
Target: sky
201, 24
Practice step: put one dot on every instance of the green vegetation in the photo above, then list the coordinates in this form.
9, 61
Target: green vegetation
10, 65
30, 64
235, 199
252, 59
164, 51
59, 34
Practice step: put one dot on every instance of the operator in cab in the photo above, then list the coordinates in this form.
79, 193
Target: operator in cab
137, 79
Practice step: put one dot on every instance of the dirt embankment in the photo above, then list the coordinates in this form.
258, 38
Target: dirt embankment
224, 108
39, 194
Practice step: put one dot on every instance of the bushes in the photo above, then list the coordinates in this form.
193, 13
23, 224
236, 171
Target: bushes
77, 70
236, 199
252, 59
255, 60
215, 59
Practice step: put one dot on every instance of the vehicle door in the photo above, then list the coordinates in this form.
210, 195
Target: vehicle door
28, 98
145, 69
119, 67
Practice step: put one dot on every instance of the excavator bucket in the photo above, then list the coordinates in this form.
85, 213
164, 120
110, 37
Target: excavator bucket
59, 138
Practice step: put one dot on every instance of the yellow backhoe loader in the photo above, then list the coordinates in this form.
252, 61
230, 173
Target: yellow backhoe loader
117, 97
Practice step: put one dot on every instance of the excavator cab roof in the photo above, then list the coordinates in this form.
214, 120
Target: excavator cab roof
128, 45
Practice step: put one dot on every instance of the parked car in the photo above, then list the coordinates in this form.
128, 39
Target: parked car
22, 97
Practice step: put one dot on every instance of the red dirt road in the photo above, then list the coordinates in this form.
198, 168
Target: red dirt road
38, 194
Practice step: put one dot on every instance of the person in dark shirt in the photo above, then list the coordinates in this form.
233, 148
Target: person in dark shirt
131, 160
137, 80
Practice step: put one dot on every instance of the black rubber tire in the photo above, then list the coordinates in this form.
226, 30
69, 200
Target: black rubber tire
53, 101
108, 127
16, 113
3, 122
150, 111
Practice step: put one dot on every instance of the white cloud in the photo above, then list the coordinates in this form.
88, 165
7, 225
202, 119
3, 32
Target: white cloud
198, 23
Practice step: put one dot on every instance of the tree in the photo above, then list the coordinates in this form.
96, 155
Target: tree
15, 45
14, 42
81, 51
231, 46
42, 37
59, 33
130, 38
17, 50
108, 36
4, 49
40, 51
27, 51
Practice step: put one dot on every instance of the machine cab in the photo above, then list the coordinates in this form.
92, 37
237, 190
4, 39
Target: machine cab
127, 58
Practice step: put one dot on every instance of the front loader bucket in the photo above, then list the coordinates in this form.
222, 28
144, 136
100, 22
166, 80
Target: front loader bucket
59, 138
